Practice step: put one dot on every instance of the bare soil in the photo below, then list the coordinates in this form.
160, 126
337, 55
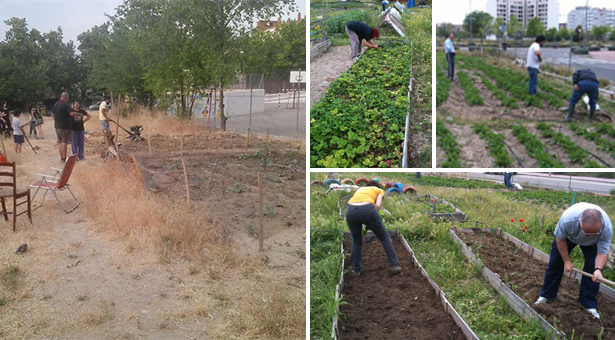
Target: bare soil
381, 305
327, 67
525, 276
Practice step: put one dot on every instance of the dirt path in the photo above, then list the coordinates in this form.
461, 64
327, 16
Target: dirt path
77, 278
327, 67
526, 275
381, 305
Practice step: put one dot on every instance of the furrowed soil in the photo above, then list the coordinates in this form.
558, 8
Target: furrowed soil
381, 305
525, 276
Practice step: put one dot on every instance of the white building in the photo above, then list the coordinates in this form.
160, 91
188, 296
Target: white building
595, 17
546, 10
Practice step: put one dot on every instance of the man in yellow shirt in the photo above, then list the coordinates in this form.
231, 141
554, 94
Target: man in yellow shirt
362, 210
103, 116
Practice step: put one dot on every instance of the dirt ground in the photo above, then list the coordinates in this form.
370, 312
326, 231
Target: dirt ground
473, 149
327, 67
381, 305
525, 276
79, 277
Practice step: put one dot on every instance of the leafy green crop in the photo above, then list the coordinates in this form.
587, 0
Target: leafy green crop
337, 24
443, 85
601, 143
472, 94
496, 145
446, 140
575, 153
535, 147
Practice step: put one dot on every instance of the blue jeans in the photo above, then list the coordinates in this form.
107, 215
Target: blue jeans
585, 86
78, 143
418, 175
533, 87
367, 214
508, 180
555, 272
384, 7
450, 59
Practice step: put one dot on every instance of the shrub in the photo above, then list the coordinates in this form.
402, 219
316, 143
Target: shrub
612, 48
472, 46
337, 24
594, 48
612, 192
580, 50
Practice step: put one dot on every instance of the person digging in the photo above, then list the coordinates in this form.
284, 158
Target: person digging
358, 33
584, 82
362, 210
588, 226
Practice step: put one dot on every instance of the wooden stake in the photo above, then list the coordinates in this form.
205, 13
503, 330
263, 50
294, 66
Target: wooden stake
181, 145
260, 211
117, 123
543, 222
247, 140
149, 146
187, 186
267, 135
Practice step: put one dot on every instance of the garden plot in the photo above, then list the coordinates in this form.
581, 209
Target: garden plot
488, 103
521, 269
439, 208
403, 306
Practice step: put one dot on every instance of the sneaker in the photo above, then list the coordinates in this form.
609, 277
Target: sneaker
395, 270
357, 273
541, 300
355, 59
593, 312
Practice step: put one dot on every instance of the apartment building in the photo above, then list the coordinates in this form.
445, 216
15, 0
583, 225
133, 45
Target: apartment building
595, 17
525, 10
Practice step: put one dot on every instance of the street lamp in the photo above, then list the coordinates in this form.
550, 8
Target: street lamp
586, 23
471, 39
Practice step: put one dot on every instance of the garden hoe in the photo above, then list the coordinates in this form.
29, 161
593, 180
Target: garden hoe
590, 275
26, 137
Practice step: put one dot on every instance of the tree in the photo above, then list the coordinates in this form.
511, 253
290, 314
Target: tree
564, 33
600, 32
445, 29
514, 27
551, 33
482, 23
534, 27
497, 25
576, 37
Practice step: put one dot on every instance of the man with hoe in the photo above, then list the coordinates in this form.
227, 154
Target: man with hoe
584, 82
588, 226
533, 63
103, 117
357, 32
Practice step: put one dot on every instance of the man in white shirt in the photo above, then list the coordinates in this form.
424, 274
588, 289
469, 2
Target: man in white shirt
533, 63
450, 55
588, 226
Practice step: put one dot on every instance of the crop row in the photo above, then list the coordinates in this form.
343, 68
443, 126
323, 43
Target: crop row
575, 153
535, 148
472, 94
446, 140
601, 143
360, 120
496, 145
502, 97
443, 83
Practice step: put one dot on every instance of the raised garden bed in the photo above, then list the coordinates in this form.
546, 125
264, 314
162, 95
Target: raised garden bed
320, 47
440, 208
380, 305
517, 269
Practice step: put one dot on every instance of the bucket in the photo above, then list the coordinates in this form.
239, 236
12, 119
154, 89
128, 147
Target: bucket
410, 3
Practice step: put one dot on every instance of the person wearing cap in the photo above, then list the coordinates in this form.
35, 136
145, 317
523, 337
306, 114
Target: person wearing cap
533, 63
588, 226
359, 32
362, 210
584, 82
450, 55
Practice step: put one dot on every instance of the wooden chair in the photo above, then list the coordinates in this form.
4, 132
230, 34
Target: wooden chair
8, 189
56, 183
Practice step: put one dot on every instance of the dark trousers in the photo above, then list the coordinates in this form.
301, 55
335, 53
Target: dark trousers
450, 59
508, 180
585, 86
356, 217
384, 7
555, 272
533, 83
78, 143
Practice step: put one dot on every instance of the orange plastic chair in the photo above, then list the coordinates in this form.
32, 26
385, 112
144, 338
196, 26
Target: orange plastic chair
57, 182
8, 190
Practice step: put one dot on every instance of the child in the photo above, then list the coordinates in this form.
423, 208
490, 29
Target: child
33, 122
17, 132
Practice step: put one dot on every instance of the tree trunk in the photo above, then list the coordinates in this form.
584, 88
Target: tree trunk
222, 115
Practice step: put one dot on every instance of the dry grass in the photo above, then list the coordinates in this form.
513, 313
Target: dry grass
103, 313
10, 278
157, 122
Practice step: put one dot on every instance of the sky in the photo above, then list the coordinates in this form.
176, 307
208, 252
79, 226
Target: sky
456, 10
74, 16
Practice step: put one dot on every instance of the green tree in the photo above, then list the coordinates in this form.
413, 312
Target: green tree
445, 29
514, 27
551, 33
564, 33
534, 27
482, 23
600, 32
497, 24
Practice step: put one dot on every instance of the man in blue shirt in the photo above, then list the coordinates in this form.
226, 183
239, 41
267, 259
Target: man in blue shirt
584, 81
450, 55
588, 226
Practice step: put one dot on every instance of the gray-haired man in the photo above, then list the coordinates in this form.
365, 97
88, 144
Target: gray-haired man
588, 226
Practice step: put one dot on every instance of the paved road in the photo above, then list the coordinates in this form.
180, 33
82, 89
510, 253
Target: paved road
557, 182
559, 56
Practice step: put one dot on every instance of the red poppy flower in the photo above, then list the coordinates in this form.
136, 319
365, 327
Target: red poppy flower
521, 220
512, 220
